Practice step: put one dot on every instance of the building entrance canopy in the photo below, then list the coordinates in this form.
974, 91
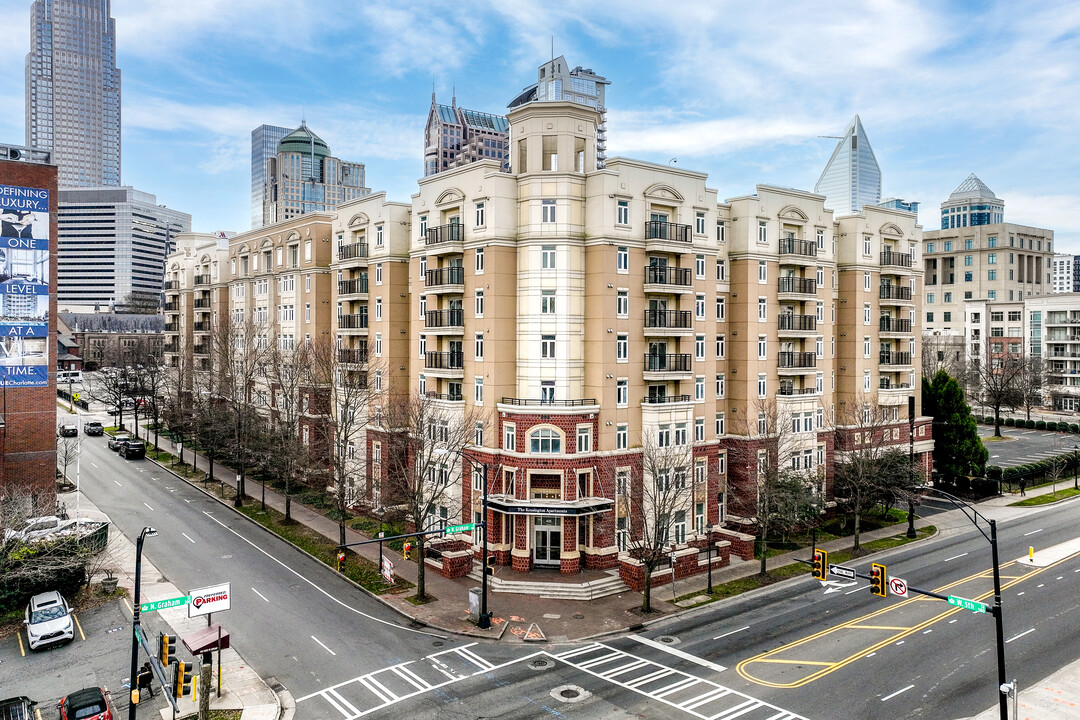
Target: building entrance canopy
550, 508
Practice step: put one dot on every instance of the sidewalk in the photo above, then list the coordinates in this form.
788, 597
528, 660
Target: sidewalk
241, 687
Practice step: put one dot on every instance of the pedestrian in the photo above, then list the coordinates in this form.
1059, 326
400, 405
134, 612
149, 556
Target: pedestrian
146, 679
1023, 484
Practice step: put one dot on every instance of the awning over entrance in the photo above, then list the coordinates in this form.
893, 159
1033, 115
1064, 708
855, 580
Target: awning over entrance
550, 508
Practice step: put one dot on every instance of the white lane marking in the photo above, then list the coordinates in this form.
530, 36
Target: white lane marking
1019, 594
677, 653
117, 482
259, 594
151, 509
1040, 585
927, 632
94, 464
872, 654
323, 646
731, 633
1017, 637
994, 456
952, 621
849, 592
954, 557
890, 697
324, 592
1033, 532
186, 535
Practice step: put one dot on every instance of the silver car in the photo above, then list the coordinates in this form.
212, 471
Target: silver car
48, 620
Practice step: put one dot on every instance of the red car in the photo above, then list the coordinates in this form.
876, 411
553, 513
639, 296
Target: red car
86, 704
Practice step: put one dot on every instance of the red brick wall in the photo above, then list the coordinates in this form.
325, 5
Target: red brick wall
29, 450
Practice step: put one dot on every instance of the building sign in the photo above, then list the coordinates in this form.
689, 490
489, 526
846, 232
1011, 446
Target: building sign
216, 598
552, 510
24, 286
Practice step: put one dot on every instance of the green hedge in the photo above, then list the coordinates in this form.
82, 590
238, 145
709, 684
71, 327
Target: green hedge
1040, 425
1010, 422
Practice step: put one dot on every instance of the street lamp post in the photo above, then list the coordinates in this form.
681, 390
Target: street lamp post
484, 621
911, 534
134, 706
996, 611
708, 539
1076, 465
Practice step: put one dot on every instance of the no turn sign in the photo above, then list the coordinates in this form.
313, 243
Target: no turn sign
898, 587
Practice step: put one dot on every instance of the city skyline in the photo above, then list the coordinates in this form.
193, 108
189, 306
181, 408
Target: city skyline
728, 90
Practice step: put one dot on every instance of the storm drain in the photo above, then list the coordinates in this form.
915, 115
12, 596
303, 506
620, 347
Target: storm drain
540, 664
570, 693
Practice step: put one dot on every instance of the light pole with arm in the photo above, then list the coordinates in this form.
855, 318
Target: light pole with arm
133, 703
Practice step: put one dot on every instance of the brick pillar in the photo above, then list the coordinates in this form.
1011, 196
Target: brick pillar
570, 557
521, 556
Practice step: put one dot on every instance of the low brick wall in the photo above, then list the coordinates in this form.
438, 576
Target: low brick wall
687, 562
742, 545
452, 564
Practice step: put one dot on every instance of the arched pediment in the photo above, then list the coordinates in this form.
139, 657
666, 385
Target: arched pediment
662, 191
793, 214
267, 242
243, 249
891, 229
450, 196
358, 220
294, 235
204, 259
175, 266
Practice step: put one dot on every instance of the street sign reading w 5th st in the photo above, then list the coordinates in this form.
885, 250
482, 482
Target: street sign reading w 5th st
162, 604
972, 605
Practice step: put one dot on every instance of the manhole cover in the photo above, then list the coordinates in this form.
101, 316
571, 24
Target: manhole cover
539, 664
668, 640
569, 693
437, 643
579, 616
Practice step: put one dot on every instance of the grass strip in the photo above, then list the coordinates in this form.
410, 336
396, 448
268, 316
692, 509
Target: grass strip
1047, 498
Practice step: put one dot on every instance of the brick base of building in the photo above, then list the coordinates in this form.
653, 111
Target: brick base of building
688, 562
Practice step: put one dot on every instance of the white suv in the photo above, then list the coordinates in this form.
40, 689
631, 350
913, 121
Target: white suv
48, 620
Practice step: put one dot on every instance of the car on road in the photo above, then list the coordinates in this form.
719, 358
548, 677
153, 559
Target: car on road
93, 428
69, 430
132, 450
86, 704
17, 708
48, 621
118, 440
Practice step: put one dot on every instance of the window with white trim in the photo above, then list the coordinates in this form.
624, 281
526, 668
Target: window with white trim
547, 257
478, 261
622, 436
479, 303
721, 385
720, 424
622, 392
478, 390
547, 211
622, 259
584, 438
509, 437
622, 348
478, 346
762, 385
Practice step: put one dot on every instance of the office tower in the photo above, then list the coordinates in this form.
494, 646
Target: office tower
454, 136
264, 143
113, 243
1063, 273
302, 177
972, 204
73, 90
851, 178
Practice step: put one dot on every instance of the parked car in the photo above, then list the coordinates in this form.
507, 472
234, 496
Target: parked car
117, 440
36, 528
86, 704
48, 621
93, 428
17, 708
132, 450
69, 430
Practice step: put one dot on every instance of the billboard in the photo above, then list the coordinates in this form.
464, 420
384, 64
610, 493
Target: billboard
24, 286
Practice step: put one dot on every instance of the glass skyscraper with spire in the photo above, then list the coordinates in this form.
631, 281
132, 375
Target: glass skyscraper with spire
73, 90
852, 177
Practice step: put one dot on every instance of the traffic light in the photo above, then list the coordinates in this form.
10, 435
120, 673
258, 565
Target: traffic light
168, 644
878, 581
182, 679
821, 564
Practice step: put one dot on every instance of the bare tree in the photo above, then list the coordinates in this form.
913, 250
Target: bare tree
774, 458
423, 441
288, 372
112, 385
67, 452
1031, 383
659, 497
945, 352
998, 379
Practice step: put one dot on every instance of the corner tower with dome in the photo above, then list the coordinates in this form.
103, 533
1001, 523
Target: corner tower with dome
303, 177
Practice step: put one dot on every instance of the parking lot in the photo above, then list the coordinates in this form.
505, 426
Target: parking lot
1019, 447
100, 655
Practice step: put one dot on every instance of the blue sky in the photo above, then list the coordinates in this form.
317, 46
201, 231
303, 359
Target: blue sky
739, 90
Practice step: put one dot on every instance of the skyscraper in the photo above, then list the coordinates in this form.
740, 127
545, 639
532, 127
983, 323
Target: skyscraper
852, 177
264, 142
73, 90
972, 204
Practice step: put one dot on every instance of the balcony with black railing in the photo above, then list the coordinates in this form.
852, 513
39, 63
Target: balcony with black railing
894, 325
352, 251
668, 320
172, 327
788, 389
444, 360
356, 356
172, 306
541, 402
664, 399
202, 349
797, 247
670, 278
173, 347
669, 363
172, 284
894, 292
452, 233
789, 360
887, 384
355, 321
203, 326
662, 230
895, 259
797, 323
203, 302
797, 285
452, 275
454, 318
894, 357
356, 286
452, 397
202, 279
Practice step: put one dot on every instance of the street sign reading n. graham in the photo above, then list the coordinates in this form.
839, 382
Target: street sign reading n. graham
162, 604
216, 598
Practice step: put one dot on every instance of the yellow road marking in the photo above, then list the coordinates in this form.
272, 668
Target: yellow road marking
37, 714
876, 627
22, 650
130, 609
767, 657
78, 625
797, 662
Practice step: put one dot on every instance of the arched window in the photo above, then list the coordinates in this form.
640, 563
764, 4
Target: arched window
545, 440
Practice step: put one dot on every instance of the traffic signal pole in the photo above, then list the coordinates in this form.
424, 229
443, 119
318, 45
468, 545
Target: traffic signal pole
1003, 699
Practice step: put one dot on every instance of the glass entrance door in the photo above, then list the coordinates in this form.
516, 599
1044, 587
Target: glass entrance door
547, 540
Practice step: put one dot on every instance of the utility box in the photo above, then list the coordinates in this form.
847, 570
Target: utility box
474, 604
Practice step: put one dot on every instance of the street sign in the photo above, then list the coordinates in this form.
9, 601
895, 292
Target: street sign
162, 604
216, 598
841, 571
898, 586
972, 605
459, 528
387, 569
76, 396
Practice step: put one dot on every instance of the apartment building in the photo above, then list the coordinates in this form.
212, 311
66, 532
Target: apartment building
1065, 273
196, 295
1056, 319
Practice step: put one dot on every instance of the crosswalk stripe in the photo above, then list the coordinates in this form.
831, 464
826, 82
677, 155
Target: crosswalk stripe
410, 677
474, 659
693, 703
651, 677
738, 710
623, 669
381, 692
338, 701
601, 660
579, 651
675, 687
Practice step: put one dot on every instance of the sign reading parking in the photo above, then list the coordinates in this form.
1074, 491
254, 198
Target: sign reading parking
898, 587
216, 598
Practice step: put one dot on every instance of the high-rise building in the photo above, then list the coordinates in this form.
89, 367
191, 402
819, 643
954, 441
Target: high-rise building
73, 90
972, 204
900, 204
264, 144
852, 178
1063, 274
113, 243
454, 136
302, 177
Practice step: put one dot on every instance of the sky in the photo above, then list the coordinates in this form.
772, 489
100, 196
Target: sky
740, 90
